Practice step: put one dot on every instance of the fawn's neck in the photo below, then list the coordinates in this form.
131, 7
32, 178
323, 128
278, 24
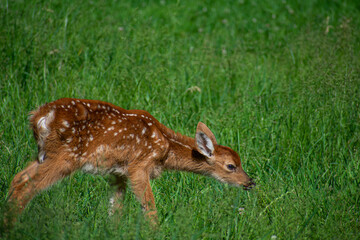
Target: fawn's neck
182, 156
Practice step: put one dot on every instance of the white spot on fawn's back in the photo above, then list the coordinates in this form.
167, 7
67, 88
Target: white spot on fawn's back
65, 123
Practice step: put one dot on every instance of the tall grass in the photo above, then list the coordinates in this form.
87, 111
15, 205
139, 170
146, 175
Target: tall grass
278, 81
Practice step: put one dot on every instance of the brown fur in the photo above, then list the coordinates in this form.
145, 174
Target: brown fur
99, 137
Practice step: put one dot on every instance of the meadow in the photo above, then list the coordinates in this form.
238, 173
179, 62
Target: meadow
277, 81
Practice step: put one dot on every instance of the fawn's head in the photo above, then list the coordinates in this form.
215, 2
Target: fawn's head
224, 162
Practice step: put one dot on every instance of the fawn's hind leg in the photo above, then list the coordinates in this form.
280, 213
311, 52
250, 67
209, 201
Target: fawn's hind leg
118, 197
37, 177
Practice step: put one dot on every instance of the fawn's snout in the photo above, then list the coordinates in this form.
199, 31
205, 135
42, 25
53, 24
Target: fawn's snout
242, 179
247, 182
249, 185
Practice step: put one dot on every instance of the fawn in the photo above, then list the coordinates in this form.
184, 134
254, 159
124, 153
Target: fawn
101, 138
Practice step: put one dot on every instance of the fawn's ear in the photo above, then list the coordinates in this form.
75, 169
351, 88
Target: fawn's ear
205, 141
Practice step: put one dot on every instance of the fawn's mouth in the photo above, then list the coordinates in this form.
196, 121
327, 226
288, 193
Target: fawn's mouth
249, 185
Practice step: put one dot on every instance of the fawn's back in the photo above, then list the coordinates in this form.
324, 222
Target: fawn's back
101, 137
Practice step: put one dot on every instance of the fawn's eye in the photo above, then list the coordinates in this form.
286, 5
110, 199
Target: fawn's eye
231, 167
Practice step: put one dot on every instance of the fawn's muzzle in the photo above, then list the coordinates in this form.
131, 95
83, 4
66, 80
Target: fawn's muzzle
249, 185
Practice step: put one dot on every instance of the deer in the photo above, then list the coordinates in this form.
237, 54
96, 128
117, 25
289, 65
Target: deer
100, 138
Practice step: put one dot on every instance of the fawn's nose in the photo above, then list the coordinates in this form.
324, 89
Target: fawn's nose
250, 184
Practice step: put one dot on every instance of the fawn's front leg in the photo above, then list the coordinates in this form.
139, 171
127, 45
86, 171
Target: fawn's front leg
140, 182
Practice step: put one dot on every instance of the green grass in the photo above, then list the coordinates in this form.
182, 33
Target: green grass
280, 84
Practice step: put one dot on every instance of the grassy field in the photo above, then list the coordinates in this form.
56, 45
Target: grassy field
278, 81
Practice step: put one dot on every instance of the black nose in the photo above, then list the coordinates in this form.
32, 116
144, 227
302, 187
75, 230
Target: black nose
250, 185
